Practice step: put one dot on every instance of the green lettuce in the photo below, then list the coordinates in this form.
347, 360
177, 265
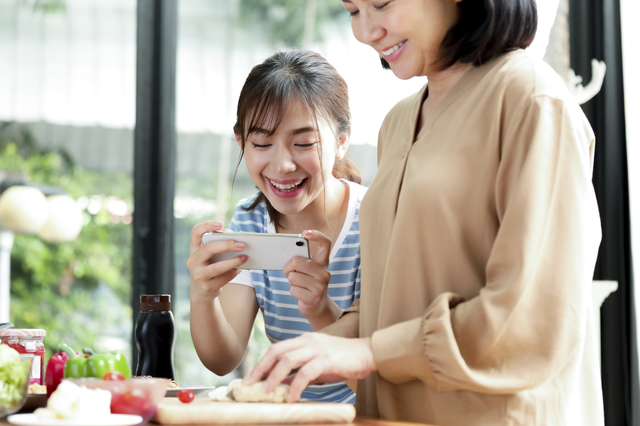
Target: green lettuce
13, 375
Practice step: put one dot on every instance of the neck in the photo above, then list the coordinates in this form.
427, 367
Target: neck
323, 214
441, 82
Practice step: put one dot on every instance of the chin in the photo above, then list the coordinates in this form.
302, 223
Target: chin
402, 72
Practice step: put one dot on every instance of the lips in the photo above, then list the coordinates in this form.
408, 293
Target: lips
286, 186
286, 189
393, 52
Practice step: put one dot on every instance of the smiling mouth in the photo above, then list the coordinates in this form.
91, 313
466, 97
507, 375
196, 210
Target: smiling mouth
392, 49
289, 187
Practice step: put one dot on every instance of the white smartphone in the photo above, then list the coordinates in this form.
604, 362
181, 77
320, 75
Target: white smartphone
265, 251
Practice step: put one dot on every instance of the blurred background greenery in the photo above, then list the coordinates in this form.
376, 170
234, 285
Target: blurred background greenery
67, 119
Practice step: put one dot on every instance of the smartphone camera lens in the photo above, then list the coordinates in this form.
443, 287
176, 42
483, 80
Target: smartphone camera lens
299, 243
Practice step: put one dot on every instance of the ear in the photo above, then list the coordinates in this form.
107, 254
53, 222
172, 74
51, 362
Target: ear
343, 145
238, 139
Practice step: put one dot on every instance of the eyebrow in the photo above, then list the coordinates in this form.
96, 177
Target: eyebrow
293, 132
303, 130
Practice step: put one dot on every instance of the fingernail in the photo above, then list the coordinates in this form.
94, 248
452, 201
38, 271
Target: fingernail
240, 245
244, 258
307, 232
217, 224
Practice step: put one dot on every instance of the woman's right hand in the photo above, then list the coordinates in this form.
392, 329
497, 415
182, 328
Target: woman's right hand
207, 277
313, 358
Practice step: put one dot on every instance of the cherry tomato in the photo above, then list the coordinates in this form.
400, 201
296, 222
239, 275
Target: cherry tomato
186, 395
113, 375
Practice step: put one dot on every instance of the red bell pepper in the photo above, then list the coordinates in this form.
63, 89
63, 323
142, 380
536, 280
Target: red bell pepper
55, 371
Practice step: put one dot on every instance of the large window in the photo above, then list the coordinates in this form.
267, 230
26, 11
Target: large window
67, 116
219, 42
67, 111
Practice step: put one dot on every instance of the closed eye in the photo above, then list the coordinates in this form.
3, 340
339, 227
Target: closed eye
259, 146
305, 145
382, 6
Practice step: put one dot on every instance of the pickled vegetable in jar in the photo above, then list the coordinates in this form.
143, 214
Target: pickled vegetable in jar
28, 341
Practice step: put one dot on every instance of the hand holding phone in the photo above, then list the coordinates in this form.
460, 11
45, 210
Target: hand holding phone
265, 251
309, 280
207, 279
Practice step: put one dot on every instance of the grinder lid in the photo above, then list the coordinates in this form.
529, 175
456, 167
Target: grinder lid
155, 302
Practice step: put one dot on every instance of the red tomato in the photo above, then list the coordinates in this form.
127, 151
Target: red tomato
186, 395
135, 397
132, 401
113, 375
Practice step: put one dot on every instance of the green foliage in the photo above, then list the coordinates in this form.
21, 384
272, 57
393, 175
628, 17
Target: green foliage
285, 20
46, 6
80, 290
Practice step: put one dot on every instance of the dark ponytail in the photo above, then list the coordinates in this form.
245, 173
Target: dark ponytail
288, 76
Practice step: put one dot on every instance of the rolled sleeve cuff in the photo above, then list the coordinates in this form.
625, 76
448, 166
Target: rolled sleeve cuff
399, 353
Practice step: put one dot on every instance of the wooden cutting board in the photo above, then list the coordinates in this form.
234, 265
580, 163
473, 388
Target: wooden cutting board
204, 410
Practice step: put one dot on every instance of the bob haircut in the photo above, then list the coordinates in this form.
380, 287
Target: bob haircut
487, 29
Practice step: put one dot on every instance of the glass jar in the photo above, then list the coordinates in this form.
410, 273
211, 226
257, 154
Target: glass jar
28, 341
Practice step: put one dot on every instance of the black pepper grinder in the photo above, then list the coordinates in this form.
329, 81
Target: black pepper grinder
155, 337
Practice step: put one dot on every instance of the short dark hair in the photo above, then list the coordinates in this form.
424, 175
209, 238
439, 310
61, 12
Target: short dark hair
487, 29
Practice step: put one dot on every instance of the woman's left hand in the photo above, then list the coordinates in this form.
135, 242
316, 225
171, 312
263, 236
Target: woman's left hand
309, 280
318, 358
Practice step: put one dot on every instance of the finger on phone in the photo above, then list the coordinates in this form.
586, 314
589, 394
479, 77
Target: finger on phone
217, 247
201, 228
296, 264
218, 269
324, 246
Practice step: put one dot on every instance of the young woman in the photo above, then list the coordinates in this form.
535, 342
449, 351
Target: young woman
480, 233
293, 127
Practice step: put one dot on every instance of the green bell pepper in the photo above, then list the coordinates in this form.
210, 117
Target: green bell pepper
96, 365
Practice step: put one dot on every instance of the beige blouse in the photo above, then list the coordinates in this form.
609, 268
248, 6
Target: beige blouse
479, 242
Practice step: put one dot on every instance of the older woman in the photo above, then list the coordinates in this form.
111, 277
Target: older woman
479, 233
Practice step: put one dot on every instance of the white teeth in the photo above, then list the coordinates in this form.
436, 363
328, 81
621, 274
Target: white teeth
287, 186
390, 50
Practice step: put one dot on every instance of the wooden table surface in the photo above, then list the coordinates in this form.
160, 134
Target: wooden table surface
357, 422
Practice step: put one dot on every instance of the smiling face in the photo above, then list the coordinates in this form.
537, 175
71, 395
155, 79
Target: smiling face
293, 165
406, 33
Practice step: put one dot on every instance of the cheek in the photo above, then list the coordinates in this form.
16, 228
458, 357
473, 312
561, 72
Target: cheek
357, 33
310, 162
254, 163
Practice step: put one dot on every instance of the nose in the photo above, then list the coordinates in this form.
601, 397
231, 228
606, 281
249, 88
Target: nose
283, 161
367, 29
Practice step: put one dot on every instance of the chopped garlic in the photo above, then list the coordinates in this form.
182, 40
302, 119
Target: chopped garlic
70, 401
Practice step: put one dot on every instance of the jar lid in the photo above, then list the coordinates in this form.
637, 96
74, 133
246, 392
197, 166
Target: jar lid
155, 302
23, 332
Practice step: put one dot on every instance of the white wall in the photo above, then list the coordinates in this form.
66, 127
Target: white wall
629, 13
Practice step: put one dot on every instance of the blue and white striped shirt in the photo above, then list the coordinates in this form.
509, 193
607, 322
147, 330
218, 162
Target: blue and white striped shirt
282, 318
